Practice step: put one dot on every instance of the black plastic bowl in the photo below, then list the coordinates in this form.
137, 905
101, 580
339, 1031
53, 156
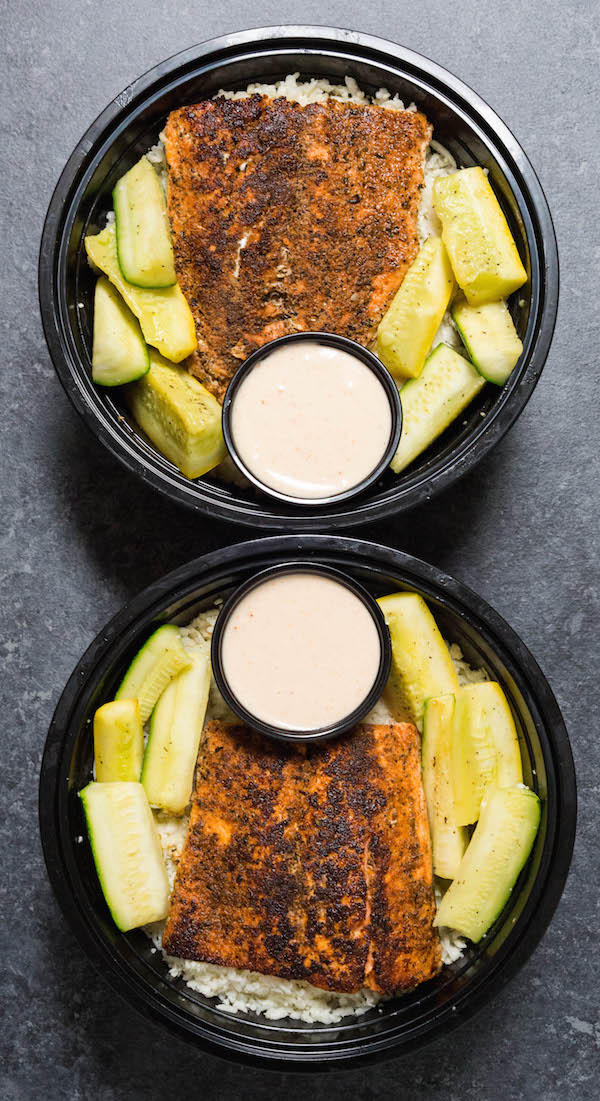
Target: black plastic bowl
130, 125
127, 960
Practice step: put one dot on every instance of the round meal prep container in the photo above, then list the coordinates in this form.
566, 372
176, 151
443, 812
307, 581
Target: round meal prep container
130, 125
138, 973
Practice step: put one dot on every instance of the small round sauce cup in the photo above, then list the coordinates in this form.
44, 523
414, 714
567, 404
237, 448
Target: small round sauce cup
358, 353
333, 727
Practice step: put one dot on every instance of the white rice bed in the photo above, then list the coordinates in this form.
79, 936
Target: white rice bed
245, 991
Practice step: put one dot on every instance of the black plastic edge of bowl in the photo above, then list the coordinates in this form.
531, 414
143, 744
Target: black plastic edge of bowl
492, 628
324, 733
494, 426
332, 340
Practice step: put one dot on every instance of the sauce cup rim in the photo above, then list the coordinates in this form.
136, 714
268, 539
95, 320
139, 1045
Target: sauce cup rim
340, 726
334, 340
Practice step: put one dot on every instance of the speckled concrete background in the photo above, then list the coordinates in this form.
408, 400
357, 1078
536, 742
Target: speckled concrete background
79, 537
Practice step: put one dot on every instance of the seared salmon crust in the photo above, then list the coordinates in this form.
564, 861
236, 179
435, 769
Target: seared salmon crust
289, 217
309, 863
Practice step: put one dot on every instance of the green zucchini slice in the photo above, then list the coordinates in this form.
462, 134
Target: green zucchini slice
448, 839
118, 741
175, 732
489, 335
119, 352
446, 385
127, 853
163, 313
160, 659
421, 662
144, 244
499, 849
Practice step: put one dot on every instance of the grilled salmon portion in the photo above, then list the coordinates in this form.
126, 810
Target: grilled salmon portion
309, 863
288, 218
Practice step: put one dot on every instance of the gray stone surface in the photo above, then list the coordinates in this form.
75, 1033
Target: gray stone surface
79, 537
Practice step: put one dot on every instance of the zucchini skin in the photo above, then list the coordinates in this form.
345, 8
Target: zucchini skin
446, 385
119, 351
408, 328
142, 225
482, 251
164, 315
497, 853
421, 663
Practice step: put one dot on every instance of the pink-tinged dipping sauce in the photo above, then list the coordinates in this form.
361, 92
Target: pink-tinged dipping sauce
300, 651
310, 420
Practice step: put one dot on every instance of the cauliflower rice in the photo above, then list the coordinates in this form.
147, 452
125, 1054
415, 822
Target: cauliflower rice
245, 991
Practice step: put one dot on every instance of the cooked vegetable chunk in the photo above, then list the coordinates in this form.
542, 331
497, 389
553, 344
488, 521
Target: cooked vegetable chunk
119, 351
432, 401
127, 853
164, 314
118, 741
448, 840
175, 732
485, 747
488, 871
144, 243
180, 416
160, 659
421, 663
490, 337
407, 329
481, 248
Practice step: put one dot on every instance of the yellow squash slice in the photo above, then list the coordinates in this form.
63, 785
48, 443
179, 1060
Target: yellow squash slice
179, 415
163, 313
481, 248
430, 403
407, 329
421, 663
448, 840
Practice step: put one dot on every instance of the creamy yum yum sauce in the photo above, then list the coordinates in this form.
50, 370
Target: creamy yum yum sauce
300, 651
310, 420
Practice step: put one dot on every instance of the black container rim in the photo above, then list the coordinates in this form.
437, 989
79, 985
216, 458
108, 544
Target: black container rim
332, 730
332, 340
455, 597
310, 41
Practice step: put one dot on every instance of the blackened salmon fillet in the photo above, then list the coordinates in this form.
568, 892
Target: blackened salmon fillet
289, 217
309, 864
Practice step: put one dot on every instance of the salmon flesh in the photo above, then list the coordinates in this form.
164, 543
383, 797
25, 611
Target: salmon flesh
288, 218
310, 863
